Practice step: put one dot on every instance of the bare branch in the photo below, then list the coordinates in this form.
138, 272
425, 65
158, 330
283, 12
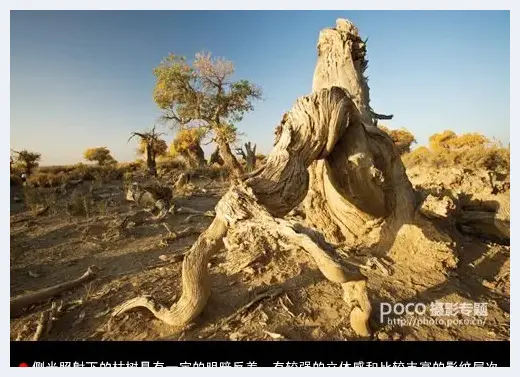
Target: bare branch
380, 116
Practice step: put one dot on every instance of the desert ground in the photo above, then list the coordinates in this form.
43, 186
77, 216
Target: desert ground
59, 245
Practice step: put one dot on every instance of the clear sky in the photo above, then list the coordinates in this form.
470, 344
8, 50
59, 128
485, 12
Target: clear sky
81, 79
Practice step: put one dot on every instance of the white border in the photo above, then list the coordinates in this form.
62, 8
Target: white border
272, 5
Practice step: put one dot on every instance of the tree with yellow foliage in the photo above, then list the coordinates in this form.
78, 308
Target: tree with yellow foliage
101, 155
201, 95
466, 141
187, 145
439, 142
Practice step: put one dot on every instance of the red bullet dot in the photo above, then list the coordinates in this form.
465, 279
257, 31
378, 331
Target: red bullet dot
25, 365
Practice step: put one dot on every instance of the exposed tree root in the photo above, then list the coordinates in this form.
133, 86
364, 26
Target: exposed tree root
195, 281
240, 208
18, 304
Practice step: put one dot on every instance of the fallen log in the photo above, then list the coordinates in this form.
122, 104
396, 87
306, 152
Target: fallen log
18, 304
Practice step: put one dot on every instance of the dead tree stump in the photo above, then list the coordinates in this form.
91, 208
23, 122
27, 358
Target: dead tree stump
359, 195
328, 154
249, 156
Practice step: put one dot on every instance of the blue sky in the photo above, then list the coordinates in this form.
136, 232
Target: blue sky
81, 79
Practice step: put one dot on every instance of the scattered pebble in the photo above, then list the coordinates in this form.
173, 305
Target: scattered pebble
33, 274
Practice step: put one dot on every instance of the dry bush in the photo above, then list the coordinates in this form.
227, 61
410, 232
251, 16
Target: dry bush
53, 176
467, 141
131, 166
473, 151
493, 158
36, 198
419, 156
170, 164
40, 179
438, 142
402, 138
81, 204
213, 172
107, 173
56, 169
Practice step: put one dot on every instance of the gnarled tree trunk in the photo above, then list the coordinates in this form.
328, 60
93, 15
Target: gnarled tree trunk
227, 156
194, 157
150, 160
329, 154
197, 155
359, 195
215, 157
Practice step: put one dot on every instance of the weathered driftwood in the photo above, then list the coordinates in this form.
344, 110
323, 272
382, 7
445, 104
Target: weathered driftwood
18, 304
329, 153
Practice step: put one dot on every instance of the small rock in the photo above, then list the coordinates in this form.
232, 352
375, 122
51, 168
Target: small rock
163, 257
433, 207
33, 274
383, 336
